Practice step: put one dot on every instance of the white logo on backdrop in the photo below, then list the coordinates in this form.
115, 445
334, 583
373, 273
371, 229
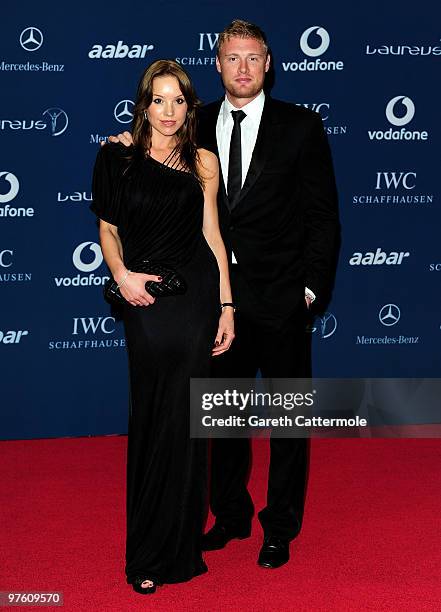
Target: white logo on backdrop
407, 117
389, 315
327, 326
31, 39
3, 260
314, 51
58, 120
94, 264
13, 187
210, 37
122, 111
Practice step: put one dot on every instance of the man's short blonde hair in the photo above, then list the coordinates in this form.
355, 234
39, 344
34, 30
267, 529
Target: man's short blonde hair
242, 29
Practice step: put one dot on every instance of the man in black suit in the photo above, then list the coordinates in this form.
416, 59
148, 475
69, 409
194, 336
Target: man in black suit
278, 214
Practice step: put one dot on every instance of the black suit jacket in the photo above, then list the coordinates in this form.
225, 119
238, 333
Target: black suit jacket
284, 226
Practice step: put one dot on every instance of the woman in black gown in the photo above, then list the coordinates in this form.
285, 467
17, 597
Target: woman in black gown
157, 201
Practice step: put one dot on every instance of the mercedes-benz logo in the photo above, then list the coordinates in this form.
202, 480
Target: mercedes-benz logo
58, 120
328, 325
31, 39
389, 314
122, 111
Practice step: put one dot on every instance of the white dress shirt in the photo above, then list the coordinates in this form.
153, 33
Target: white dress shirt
249, 128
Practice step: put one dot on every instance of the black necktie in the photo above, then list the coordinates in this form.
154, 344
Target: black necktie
235, 158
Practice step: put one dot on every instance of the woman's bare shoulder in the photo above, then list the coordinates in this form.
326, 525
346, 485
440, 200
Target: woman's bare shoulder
208, 162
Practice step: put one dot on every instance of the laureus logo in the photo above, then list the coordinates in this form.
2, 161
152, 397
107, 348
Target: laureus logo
58, 120
313, 42
327, 326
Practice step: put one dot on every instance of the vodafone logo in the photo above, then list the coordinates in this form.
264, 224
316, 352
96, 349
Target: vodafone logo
314, 42
305, 40
403, 119
77, 257
400, 111
86, 258
13, 186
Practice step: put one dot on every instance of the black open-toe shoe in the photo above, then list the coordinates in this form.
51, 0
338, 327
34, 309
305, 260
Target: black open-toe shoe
136, 584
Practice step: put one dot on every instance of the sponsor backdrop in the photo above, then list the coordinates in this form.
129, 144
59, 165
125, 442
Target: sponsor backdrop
68, 80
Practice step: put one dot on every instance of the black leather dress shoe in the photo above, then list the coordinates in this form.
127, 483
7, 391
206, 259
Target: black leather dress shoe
219, 536
274, 552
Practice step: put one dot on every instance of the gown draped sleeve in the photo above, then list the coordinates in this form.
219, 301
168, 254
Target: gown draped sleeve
106, 184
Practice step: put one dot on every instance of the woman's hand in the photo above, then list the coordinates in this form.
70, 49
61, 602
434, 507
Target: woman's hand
225, 332
125, 138
133, 288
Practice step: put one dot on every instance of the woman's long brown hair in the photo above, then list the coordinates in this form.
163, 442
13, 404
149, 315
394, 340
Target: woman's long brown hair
186, 135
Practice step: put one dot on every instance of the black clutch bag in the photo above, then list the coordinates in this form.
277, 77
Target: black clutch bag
172, 283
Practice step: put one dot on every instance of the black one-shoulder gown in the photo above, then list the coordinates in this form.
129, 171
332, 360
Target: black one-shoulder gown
158, 211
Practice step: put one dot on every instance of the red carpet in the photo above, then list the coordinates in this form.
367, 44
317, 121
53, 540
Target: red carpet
370, 541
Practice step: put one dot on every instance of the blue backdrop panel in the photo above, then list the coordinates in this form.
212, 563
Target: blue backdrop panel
68, 80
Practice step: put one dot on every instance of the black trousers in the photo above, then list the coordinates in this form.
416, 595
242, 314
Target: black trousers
282, 353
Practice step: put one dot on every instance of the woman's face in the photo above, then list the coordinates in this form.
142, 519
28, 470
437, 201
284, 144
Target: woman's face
168, 109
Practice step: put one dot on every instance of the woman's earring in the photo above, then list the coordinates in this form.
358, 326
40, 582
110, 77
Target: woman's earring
145, 114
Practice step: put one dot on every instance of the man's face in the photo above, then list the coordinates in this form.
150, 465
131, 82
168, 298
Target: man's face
242, 63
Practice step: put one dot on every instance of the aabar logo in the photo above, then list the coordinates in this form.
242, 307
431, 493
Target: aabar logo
120, 51
378, 258
12, 336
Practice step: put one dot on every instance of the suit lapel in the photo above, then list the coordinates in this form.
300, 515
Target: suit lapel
260, 152
210, 115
